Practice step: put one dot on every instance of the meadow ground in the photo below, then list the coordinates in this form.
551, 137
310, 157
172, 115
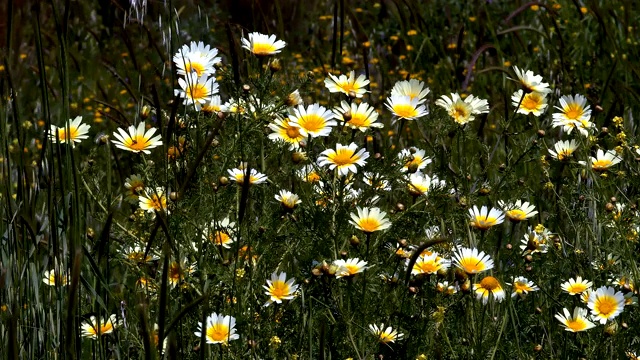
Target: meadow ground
340, 179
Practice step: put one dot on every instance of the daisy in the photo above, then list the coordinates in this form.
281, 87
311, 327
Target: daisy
263, 45
429, 264
214, 105
412, 88
53, 278
348, 85
531, 82
196, 90
136, 254
137, 139
530, 103
484, 219
369, 220
196, 58
376, 181
576, 286
308, 174
563, 149
383, 335
238, 175
489, 286
605, 303
522, 286
577, 322
349, 267
358, 117
445, 287
220, 329
135, 186
421, 184
153, 200
573, 109
343, 158
287, 199
95, 327
234, 106
178, 271
279, 288
285, 131
603, 161
471, 261
293, 99
534, 243
314, 121
463, 111
414, 160
72, 132
220, 233
403, 107
518, 211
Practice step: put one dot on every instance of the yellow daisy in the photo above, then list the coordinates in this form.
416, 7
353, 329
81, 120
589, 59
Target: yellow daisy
351, 86
219, 329
358, 117
196, 90
463, 111
220, 233
489, 286
404, 107
284, 130
196, 58
153, 200
603, 161
74, 131
563, 150
349, 267
517, 211
96, 327
263, 45
343, 158
429, 264
576, 286
578, 322
484, 219
137, 139
605, 303
413, 88
287, 199
385, 335
530, 103
472, 261
369, 220
314, 120
522, 286
279, 288
53, 278
531, 82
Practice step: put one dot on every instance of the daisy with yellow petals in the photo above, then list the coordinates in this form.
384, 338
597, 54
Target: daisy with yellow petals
351, 86
420, 184
404, 107
531, 103
287, 199
578, 322
97, 327
196, 90
343, 158
285, 131
263, 45
369, 220
358, 117
429, 264
414, 160
385, 335
53, 278
603, 161
153, 200
413, 88
73, 132
220, 233
463, 111
196, 58
238, 175
531, 82
279, 288
137, 139
574, 114
349, 267
517, 211
472, 261
484, 219
605, 304
219, 329
576, 286
563, 150
489, 286
522, 286
314, 120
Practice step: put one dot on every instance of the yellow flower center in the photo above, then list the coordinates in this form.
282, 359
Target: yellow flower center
606, 305
279, 289
563, 154
347, 87
136, 143
138, 256
601, 164
196, 67
218, 333
220, 238
312, 122
369, 224
385, 337
573, 111
352, 269
577, 288
175, 272
516, 215
263, 48
406, 111
293, 132
490, 283
418, 189
472, 265
428, 267
531, 102
359, 120
343, 157
63, 136
460, 113
483, 223
576, 324
159, 203
197, 91
520, 287
313, 177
